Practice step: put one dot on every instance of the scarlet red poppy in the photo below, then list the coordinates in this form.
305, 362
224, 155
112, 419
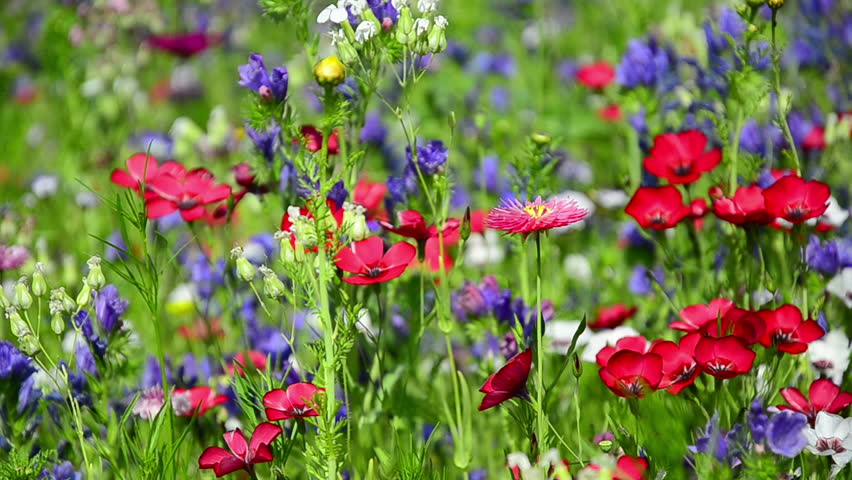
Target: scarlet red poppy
824, 396
725, 357
187, 192
512, 216
141, 169
242, 455
597, 75
298, 401
630, 468
638, 344
746, 325
658, 208
679, 366
796, 200
632, 375
370, 264
251, 360
313, 139
788, 331
694, 317
184, 45
612, 316
746, 206
410, 224
370, 195
681, 158
188, 402
509, 382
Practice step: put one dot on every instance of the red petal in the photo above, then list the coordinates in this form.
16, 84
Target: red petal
159, 207
142, 167
809, 331
166, 186
213, 456
120, 177
795, 399
513, 375
843, 400
237, 443
277, 399
262, 454
493, 399
400, 254
193, 214
263, 435
822, 393
216, 194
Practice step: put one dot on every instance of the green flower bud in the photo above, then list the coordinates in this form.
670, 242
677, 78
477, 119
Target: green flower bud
22, 297
39, 284
346, 51
245, 269
29, 344
576, 365
354, 221
541, 139
65, 301
285, 247
775, 4
57, 323
405, 27
605, 445
465, 226
755, 3
85, 295
16, 322
95, 279
272, 285
330, 72
437, 37
4, 300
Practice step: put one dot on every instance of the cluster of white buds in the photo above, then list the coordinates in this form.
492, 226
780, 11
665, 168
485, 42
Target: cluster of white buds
245, 270
354, 221
272, 285
27, 341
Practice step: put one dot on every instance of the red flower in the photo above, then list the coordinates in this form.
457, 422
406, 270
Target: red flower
815, 139
188, 192
725, 357
786, 330
256, 359
746, 206
638, 344
659, 208
195, 401
824, 395
313, 140
632, 375
184, 45
287, 222
243, 454
630, 468
610, 113
597, 75
509, 382
746, 325
512, 216
679, 366
612, 316
366, 261
680, 157
411, 225
370, 196
200, 330
796, 200
141, 169
694, 317
298, 401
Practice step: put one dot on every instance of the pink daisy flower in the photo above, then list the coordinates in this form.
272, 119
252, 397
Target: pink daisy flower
512, 216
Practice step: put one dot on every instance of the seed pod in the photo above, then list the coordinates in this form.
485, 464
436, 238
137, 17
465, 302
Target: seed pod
22, 298
95, 279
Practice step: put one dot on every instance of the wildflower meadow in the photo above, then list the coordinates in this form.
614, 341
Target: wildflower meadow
425, 239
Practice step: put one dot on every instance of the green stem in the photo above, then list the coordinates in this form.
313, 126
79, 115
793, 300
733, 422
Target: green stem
539, 328
328, 364
735, 152
776, 84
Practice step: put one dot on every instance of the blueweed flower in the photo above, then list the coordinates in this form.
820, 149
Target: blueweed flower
567, 70
85, 359
374, 131
338, 194
721, 444
255, 77
14, 364
109, 307
431, 157
265, 141
488, 175
157, 144
785, 433
729, 25
502, 64
830, 257
761, 139
758, 421
28, 395
646, 64
61, 471
641, 281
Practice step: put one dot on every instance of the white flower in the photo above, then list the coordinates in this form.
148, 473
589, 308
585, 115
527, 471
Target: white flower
584, 202
357, 7
398, 4
528, 471
427, 6
334, 13
441, 22
834, 215
421, 25
598, 340
577, 267
365, 31
45, 186
611, 198
830, 355
483, 249
560, 333
841, 286
337, 36
762, 297
831, 435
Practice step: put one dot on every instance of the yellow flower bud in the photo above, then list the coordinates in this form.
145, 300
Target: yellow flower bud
330, 72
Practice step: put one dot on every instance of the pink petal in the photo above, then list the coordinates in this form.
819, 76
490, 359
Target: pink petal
237, 442
216, 194
159, 207
263, 435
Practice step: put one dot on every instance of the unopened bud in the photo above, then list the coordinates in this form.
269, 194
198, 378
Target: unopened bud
437, 38
4, 300
245, 270
18, 326
66, 302
29, 344
576, 365
39, 284
405, 27
85, 295
95, 279
57, 323
605, 445
330, 72
540, 139
272, 285
22, 298
346, 51
465, 226
775, 4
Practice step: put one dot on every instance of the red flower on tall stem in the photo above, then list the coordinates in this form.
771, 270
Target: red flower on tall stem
679, 366
410, 224
185, 45
251, 360
746, 325
746, 206
509, 382
632, 375
187, 192
680, 158
658, 208
725, 357
788, 331
371, 264
612, 316
796, 200
298, 401
370, 195
694, 317
824, 396
597, 75
141, 169
189, 402
638, 344
242, 455
512, 216
313, 139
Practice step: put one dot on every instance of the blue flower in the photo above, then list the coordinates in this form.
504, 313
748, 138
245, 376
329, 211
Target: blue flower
645, 64
109, 307
265, 141
757, 421
254, 77
85, 359
641, 281
28, 395
14, 364
785, 434
338, 194
431, 157
383, 9
374, 131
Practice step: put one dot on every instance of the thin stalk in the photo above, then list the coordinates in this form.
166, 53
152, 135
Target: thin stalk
328, 364
735, 152
776, 84
538, 348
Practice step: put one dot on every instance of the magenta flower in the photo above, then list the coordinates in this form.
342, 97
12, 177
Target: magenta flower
13, 257
512, 216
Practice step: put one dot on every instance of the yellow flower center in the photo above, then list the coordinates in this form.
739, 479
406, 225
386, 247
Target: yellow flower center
537, 211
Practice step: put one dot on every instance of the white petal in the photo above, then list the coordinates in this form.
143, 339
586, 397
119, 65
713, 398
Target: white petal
339, 15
